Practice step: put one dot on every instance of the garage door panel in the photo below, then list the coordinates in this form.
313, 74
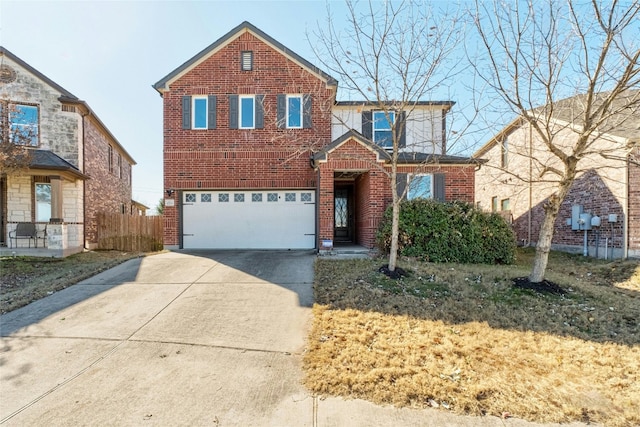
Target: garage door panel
249, 219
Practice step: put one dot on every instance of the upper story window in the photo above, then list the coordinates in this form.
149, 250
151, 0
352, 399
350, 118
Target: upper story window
246, 111
23, 124
382, 125
246, 60
293, 111
110, 158
199, 112
421, 186
504, 152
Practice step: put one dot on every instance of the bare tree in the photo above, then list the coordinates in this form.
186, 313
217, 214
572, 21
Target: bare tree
562, 67
391, 55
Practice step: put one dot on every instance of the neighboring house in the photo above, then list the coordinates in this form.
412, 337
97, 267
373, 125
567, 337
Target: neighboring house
608, 185
77, 167
258, 153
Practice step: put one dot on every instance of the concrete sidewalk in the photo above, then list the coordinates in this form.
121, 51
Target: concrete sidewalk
180, 339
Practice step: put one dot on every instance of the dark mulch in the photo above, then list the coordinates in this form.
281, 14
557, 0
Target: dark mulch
395, 274
544, 287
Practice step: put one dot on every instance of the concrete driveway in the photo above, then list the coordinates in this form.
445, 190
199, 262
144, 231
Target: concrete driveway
180, 339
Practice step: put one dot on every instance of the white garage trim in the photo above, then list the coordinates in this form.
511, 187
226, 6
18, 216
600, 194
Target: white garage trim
248, 219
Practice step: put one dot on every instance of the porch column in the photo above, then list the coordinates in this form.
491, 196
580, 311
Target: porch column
56, 199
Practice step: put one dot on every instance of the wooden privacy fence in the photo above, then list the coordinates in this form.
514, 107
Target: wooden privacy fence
129, 233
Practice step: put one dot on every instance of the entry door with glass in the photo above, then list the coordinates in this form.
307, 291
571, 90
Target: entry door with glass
343, 215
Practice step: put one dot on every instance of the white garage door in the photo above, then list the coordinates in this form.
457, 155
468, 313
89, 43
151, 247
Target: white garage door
248, 219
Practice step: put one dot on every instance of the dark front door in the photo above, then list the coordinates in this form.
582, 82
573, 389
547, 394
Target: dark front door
343, 215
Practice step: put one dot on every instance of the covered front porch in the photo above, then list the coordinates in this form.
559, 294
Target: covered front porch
353, 193
47, 200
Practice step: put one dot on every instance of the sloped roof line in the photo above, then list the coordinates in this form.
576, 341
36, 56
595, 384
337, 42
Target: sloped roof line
629, 130
66, 96
448, 104
244, 26
350, 134
4, 51
46, 159
384, 155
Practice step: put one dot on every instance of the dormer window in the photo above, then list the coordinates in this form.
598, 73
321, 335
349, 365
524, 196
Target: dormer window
246, 60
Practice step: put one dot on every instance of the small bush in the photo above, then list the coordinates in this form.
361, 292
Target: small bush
449, 232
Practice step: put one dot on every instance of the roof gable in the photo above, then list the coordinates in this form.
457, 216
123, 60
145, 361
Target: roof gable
321, 156
63, 92
164, 83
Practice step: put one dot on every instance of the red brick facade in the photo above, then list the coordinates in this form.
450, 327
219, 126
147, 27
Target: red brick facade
270, 157
227, 158
372, 188
108, 188
634, 202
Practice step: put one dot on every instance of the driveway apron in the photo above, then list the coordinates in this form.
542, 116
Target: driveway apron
198, 338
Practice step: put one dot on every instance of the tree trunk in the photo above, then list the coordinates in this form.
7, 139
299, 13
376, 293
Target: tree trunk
395, 213
393, 255
543, 247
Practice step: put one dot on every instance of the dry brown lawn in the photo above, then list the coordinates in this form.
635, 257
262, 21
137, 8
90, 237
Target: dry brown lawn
461, 338
27, 279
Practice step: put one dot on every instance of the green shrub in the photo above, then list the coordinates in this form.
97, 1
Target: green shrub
449, 232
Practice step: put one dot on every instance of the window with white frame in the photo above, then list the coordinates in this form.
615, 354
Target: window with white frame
23, 121
294, 111
247, 111
382, 123
43, 202
199, 109
420, 187
504, 152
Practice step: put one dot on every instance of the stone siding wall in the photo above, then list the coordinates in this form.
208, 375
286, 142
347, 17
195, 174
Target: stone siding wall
58, 130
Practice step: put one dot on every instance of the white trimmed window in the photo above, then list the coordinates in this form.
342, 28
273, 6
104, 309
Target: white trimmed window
294, 111
247, 105
199, 113
382, 124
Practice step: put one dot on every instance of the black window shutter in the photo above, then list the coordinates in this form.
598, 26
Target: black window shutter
212, 104
186, 112
367, 125
306, 111
259, 112
401, 183
438, 187
233, 111
402, 121
281, 111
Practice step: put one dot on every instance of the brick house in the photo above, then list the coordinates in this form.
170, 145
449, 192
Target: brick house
608, 185
258, 153
77, 168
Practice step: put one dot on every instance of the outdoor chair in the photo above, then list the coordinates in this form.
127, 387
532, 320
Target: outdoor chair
24, 230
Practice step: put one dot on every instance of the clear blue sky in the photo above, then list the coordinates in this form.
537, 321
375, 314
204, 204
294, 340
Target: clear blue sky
109, 53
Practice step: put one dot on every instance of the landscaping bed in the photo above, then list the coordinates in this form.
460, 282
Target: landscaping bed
465, 338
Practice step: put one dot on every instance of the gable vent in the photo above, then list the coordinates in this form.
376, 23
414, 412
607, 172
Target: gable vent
247, 60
